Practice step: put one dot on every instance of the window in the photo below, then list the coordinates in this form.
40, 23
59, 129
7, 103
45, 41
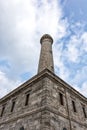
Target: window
64, 129
27, 99
3, 109
83, 107
13, 105
61, 98
22, 128
74, 107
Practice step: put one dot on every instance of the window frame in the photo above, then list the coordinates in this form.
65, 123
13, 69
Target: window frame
84, 111
61, 98
27, 97
22, 128
64, 128
2, 110
13, 105
74, 106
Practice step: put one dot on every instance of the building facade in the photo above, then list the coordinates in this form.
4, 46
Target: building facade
45, 102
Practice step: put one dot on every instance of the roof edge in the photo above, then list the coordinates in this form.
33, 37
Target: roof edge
35, 78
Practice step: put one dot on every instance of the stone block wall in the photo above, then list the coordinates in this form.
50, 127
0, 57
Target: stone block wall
20, 112
75, 119
44, 110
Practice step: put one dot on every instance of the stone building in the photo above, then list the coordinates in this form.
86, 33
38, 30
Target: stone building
44, 102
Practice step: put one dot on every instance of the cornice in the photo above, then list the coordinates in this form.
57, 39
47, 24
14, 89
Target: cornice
43, 74
66, 85
23, 86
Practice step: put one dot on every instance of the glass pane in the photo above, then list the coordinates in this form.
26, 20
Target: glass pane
64, 129
22, 128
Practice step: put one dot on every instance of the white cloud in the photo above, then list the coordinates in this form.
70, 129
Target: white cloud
6, 84
82, 89
77, 45
80, 76
84, 41
72, 51
70, 58
22, 23
60, 68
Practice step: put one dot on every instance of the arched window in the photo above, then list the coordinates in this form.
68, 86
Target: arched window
64, 129
22, 128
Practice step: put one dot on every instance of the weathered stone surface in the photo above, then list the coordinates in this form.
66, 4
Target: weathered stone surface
46, 56
44, 110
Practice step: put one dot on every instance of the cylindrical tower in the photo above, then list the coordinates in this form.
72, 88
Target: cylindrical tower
46, 56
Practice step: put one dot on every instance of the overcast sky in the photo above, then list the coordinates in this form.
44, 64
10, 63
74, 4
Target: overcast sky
23, 22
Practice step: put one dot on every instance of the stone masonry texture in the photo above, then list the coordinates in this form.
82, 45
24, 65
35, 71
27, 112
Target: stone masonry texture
46, 55
44, 109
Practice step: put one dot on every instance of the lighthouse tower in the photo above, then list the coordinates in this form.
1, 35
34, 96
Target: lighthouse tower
46, 56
